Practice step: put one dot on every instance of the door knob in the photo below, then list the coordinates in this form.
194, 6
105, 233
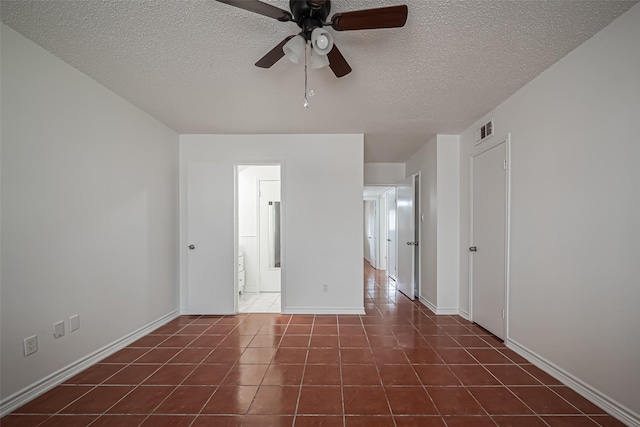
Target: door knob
473, 249
192, 247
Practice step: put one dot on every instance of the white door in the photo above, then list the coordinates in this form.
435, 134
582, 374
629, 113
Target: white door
488, 240
365, 234
381, 239
269, 242
210, 272
392, 270
369, 232
406, 239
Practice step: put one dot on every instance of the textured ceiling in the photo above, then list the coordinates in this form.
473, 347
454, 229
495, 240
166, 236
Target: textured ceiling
190, 63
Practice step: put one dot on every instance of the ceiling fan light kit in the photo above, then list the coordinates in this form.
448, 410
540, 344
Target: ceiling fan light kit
295, 49
311, 16
318, 60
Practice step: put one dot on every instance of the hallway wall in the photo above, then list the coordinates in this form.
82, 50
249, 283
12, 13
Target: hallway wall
574, 215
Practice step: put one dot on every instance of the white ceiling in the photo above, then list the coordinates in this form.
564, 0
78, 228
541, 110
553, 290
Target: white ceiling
190, 63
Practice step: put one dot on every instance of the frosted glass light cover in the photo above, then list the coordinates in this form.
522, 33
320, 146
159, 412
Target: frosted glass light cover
294, 49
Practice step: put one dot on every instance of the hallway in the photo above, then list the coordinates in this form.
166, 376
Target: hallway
398, 365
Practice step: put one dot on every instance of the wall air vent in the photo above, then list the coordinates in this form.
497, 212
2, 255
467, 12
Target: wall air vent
484, 132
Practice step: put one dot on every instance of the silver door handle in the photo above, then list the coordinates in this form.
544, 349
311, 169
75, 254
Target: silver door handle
412, 243
192, 247
473, 249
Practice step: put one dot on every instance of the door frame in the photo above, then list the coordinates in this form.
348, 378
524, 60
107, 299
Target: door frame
236, 228
507, 244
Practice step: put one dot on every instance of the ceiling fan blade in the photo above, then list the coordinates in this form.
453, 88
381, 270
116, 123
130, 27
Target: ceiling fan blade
261, 8
369, 19
273, 55
338, 64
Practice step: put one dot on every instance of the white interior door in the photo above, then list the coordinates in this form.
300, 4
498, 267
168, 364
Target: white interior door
365, 234
210, 271
373, 253
406, 237
381, 241
269, 242
392, 270
488, 240
369, 232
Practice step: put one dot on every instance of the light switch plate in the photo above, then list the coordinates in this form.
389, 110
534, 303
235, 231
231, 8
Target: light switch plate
74, 323
58, 329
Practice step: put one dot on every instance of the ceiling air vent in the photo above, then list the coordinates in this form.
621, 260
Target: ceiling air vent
484, 132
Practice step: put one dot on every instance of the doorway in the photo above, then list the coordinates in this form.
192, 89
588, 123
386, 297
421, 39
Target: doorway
259, 222
379, 231
489, 238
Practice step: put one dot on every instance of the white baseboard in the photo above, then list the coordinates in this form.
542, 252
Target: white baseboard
36, 389
609, 405
463, 314
186, 312
436, 310
428, 304
328, 310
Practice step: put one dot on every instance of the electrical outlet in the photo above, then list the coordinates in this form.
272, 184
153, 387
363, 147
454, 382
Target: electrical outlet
58, 329
30, 345
325, 287
74, 323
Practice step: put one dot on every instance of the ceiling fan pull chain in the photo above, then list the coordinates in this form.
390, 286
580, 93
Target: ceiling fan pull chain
306, 101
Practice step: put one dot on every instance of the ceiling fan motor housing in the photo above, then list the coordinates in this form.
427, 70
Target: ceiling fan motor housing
310, 14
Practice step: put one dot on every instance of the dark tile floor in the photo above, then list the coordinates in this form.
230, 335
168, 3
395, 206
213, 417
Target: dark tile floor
398, 365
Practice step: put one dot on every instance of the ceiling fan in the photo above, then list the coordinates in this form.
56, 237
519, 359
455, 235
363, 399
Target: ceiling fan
310, 16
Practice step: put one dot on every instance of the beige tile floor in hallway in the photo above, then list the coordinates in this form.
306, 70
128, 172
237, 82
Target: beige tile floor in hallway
399, 365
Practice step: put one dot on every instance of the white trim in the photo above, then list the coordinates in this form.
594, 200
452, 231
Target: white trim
323, 310
439, 311
599, 399
186, 312
47, 383
462, 313
428, 304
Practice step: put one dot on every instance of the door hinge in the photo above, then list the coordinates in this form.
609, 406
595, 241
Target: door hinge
504, 165
503, 314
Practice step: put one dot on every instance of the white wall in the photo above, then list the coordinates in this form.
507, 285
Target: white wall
438, 164
89, 214
383, 173
575, 233
322, 178
248, 218
448, 214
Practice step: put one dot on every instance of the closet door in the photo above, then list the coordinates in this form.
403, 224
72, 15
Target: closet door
211, 265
